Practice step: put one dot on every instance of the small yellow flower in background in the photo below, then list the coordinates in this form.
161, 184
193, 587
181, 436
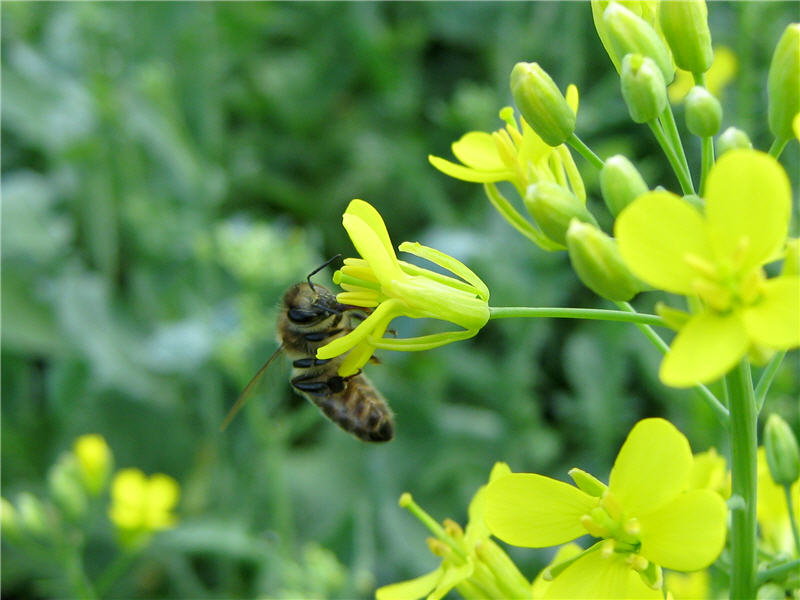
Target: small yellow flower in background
472, 563
391, 288
718, 257
647, 518
722, 72
775, 529
710, 472
141, 505
94, 461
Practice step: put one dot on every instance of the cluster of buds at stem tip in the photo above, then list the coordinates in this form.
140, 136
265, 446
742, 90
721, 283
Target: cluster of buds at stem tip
620, 183
553, 208
643, 88
703, 112
783, 83
783, 455
541, 103
597, 261
630, 34
685, 27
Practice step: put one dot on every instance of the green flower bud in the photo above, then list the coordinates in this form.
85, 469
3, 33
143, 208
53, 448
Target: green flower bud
791, 262
771, 591
684, 24
643, 88
631, 35
32, 515
783, 83
553, 207
783, 455
541, 103
732, 139
620, 183
597, 261
65, 486
9, 521
703, 112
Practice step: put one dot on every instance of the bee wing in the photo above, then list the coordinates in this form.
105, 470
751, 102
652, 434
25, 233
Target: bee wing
248, 388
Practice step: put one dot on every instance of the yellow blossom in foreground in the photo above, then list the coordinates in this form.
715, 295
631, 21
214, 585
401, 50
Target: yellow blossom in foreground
392, 288
141, 505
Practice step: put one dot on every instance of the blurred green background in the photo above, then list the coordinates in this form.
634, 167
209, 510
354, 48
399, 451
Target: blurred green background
170, 168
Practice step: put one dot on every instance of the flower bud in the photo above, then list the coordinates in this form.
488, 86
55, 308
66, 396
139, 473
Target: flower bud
65, 487
684, 24
631, 35
9, 521
733, 139
597, 261
783, 83
553, 207
620, 183
783, 455
541, 103
643, 88
94, 461
703, 112
32, 514
791, 262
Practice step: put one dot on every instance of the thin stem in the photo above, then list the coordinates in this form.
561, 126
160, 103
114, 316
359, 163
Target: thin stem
671, 130
683, 177
121, 563
707, 161
777, 147
719, 410
790, 507
743, 442
767, 375
776, 572
584, 150
598, 314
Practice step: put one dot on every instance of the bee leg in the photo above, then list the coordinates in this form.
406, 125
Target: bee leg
306, 363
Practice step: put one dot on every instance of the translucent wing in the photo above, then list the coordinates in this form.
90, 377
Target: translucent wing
248, 388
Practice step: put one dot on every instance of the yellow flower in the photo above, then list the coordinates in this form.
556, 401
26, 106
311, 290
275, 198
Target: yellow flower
142, 505
94, 461
718, 257
710, 472
688, 586
471, 562
391, 288
647, 518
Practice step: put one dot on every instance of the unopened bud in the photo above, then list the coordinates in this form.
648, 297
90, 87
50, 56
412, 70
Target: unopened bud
554, 207
630, 34
643, 88
32, 514
541, 103
65, 487
791, 262
9, 521
620, 183
684, 24
597, 261
783, 83
733, 139
588, 482
703, 112
94, 461
783, 455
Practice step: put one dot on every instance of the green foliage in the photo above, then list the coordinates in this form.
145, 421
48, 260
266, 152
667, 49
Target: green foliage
170, 168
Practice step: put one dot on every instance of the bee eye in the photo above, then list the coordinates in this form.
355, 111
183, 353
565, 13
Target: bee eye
299, 315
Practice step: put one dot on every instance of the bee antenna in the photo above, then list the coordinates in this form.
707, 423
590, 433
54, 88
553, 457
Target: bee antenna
318, 269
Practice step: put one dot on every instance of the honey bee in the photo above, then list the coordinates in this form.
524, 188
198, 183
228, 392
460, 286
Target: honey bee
310, 317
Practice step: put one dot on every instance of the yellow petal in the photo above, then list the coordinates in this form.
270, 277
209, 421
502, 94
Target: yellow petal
652, 467
597, 576
748, 201
412, 589
372, 218
369, 245
656, 232
531, 510
447, 262
477, 149
453, 575
775, 321
128, 486
469, 174
386, 310
163, 492
707, 347
686, 534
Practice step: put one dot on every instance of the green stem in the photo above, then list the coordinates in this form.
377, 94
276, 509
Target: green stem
79, 582
671, 130
705, 394
777, 147
707, 161
744, 443
683, 177
767, 375
584, 150
598, 314
790, 507
776, 572
115, 570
